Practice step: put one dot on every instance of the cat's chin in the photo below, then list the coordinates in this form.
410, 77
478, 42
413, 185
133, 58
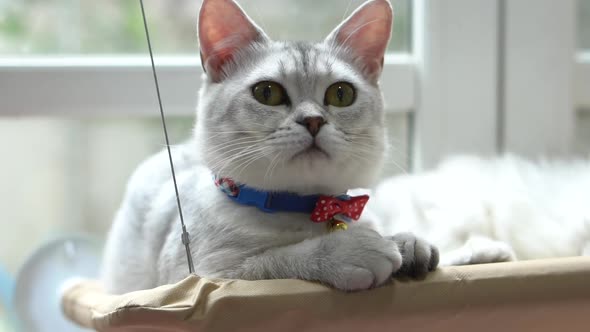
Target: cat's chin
306, 174
311, 154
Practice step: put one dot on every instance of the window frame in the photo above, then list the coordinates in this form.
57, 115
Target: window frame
539, 110
454, 108
447, 35
93, 86
582, 81
512, 72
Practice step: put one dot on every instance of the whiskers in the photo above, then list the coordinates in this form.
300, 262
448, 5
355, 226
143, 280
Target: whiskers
362, 146
236, 144
227, 155
272, 166
234, 158
212, 133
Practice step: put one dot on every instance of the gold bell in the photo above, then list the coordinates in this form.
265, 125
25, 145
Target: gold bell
337, 225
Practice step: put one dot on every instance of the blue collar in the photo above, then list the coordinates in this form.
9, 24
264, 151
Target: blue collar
267, 201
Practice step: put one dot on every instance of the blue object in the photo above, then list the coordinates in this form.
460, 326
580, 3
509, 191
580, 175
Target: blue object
275, 201
37, 298
6, 288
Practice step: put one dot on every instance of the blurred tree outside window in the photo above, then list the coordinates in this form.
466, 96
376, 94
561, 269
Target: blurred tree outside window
113, 26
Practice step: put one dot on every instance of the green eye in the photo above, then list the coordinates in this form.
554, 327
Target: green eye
269, 93
340, 94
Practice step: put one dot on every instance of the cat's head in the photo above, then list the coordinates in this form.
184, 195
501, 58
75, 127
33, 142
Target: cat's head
296, 116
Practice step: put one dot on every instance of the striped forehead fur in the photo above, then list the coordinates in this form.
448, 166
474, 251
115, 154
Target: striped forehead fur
299, 60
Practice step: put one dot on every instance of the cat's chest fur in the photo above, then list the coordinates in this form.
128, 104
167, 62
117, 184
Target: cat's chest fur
222, 232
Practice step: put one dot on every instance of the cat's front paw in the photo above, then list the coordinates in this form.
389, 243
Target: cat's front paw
479, 250
418, 256
357, 259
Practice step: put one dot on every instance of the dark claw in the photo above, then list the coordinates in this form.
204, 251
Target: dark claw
434, 258
418, 256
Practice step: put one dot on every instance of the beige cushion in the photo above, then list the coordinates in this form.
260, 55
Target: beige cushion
545, 295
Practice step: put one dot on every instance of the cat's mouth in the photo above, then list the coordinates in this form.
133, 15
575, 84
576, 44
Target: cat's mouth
312, 151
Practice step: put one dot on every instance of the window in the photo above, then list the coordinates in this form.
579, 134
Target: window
111, 26
78, 109
79, 104
582, 139
488, 68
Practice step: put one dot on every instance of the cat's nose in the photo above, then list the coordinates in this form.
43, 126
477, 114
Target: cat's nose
313, 124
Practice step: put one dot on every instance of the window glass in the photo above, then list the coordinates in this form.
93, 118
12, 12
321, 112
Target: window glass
584, 24
114, 26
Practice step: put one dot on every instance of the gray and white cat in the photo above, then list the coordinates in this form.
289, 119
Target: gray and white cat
295, 117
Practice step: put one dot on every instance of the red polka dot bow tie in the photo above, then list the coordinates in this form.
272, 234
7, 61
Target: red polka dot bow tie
327, 207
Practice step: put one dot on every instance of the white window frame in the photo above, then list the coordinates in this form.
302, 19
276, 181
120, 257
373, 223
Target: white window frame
540, 50
582, 82
497, 76
459, 82
123, 85
455, 46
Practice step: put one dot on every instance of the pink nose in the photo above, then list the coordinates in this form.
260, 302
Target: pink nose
313, 124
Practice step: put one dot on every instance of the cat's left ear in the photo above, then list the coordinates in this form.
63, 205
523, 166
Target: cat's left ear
224, 30
365, 33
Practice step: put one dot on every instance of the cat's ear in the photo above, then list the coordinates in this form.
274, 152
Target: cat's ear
224, 29
365, 33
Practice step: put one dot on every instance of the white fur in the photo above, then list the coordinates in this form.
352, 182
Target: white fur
483, 210
261, 146
229, 240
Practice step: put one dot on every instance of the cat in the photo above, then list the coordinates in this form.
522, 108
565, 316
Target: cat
479, 210
300, 118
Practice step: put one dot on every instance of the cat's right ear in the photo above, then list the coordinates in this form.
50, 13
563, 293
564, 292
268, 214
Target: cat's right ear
224, 29
365, 34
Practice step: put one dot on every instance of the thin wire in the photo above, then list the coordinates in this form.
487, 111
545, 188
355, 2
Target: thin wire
185, 235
